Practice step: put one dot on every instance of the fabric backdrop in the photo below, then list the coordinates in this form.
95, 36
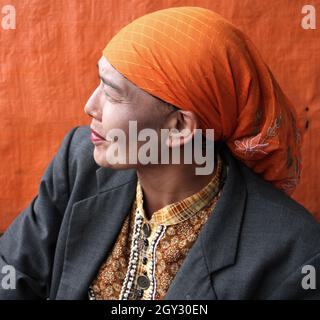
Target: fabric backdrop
48, 70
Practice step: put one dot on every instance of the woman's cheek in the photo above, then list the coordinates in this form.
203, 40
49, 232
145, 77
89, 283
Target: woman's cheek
128, 118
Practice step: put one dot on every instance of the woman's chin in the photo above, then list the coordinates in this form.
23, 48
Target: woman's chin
99, 155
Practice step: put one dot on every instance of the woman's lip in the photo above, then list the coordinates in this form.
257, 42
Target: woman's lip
96, 136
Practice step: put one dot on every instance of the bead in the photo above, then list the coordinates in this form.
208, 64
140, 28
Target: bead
140, 293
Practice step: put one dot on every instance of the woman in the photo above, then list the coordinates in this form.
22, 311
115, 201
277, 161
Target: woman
109, 225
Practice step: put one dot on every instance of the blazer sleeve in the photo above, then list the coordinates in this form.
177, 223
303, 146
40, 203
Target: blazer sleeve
28, 245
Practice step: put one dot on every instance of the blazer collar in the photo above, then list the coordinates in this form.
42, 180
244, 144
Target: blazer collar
107, 179
95, 223
221, 233
217, 243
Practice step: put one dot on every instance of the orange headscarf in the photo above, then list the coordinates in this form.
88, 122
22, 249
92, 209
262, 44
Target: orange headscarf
196, 60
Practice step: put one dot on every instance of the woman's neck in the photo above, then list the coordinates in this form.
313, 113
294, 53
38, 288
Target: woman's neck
166, 184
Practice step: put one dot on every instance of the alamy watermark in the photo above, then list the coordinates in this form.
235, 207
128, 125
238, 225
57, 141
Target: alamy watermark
309, 19
8, 277
309, 280
8, 19
156, 149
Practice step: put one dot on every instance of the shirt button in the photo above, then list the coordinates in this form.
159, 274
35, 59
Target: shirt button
143, 282
146, 230
144, 260
146, 242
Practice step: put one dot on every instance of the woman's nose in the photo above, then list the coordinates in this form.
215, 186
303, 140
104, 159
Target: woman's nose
92, 107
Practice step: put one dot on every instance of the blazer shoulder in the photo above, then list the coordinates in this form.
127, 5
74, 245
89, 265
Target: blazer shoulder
80, 153
278, 218
80, 147
277, 237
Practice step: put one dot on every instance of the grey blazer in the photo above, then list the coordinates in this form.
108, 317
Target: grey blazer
253, 246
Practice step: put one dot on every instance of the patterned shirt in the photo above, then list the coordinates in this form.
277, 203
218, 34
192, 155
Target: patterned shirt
149, 252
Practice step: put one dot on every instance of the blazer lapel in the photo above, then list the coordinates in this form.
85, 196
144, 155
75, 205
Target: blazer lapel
94, 225
217, 243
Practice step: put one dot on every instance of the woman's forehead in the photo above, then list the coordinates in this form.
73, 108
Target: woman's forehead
106, 68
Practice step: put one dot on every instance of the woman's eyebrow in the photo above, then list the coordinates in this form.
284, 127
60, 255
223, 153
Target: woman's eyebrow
110, 83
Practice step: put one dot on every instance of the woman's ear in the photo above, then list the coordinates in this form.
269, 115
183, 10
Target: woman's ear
181, 125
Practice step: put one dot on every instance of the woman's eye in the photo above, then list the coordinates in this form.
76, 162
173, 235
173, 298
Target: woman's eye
109, 97
106, 93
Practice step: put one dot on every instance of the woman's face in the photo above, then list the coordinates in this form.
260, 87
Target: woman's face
114, 103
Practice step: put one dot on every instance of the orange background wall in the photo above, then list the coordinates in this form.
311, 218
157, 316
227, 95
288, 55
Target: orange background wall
48, 70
